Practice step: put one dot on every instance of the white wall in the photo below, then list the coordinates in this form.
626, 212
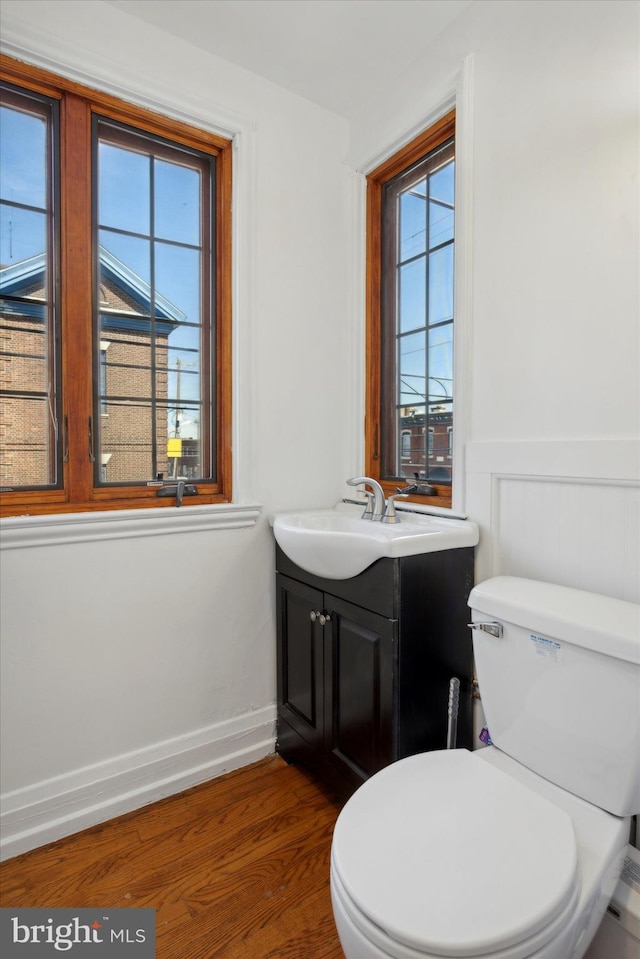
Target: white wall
165, 645
135, 666
553, 355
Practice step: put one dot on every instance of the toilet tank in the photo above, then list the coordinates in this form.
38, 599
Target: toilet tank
560, 685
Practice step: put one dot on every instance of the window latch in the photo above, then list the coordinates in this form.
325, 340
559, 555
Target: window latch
178, 490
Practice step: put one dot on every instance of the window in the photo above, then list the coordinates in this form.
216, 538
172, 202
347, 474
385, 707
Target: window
114, 301
410, 315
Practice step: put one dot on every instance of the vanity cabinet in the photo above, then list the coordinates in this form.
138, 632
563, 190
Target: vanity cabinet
364, 664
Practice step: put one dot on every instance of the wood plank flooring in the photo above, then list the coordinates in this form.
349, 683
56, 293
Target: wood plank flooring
237, 868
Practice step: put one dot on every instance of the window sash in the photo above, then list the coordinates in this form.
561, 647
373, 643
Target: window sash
150, 372
81, 478
421, 391
389, 253
31, 457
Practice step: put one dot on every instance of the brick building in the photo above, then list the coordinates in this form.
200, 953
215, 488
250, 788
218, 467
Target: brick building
426, 452
134, 412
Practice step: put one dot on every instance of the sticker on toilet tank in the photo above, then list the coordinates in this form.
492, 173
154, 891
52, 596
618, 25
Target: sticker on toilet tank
549, 649
631, 873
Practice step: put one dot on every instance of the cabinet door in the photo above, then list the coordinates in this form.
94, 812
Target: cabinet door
300, 659
359, 689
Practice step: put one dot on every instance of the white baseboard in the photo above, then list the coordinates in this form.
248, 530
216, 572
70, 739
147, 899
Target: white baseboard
58, 807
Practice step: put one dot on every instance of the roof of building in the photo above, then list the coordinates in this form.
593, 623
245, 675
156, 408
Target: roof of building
125, 298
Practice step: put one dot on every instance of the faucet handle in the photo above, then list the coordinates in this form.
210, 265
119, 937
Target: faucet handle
368, 510
390, 515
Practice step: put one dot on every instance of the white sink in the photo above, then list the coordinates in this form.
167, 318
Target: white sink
337, 543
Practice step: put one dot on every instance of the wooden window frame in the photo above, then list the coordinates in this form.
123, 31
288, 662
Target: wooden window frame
78, 104
438, 134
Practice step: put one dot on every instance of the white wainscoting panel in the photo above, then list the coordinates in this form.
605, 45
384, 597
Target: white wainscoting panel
577, 533
561, 512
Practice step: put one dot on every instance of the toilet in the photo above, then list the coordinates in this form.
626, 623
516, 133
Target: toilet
512, 851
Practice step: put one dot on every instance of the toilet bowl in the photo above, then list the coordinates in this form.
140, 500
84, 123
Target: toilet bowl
618, 934
460, 854
512, 851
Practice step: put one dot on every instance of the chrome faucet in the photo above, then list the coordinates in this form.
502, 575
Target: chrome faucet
378, 494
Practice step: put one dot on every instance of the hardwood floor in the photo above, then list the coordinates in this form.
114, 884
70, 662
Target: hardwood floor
237, 868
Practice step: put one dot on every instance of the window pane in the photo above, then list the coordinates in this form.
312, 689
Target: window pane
127, 442
125, 269
177, 271
183, 385
413, 221
23, 235
177, 203
441, 285
412, 459
442, 183
412, 363
441, 209
441, 363
29, 405
27, 440
184, 339
123, 194
125, 360
23, 172
184, 450
440, 224
440, 458
183, 391
412, 295
151, 396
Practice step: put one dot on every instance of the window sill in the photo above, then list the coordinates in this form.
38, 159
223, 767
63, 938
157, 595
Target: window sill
20, 532
414, 505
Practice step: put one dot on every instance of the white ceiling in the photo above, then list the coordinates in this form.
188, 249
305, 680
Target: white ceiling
336, 53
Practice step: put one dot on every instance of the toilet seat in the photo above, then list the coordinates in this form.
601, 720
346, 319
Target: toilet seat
559, 934
444, 855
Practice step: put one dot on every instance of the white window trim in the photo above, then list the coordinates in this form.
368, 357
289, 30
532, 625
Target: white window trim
463, 297
460, 98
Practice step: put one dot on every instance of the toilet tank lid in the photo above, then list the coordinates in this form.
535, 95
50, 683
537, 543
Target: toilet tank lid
601, 623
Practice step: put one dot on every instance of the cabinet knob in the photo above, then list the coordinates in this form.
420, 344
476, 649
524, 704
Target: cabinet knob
317, 617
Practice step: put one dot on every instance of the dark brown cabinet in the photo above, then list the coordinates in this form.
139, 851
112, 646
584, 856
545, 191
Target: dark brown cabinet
364, 664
